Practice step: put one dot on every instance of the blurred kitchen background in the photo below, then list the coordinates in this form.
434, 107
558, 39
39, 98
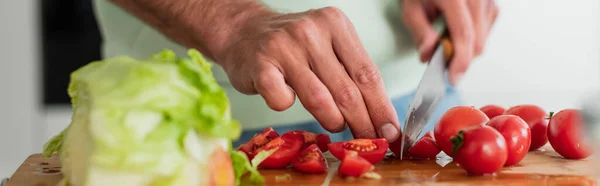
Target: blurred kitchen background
544, 52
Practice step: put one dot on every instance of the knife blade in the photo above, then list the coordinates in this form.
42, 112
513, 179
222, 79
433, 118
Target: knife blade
428, 95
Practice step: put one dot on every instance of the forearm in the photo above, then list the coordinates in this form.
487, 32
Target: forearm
206, 25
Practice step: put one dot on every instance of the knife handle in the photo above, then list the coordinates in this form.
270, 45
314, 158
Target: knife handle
446, 42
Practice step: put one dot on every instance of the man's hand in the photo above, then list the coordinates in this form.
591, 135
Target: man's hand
469, 22
317, 54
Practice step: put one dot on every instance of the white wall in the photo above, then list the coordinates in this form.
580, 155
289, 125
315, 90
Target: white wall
21, 127
544, 52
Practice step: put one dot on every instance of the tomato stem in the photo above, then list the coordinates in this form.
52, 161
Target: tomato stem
550, 115
457, 141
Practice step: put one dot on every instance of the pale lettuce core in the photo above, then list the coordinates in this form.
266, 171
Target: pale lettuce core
146, 122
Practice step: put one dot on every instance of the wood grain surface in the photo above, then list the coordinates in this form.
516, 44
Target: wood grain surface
543, 167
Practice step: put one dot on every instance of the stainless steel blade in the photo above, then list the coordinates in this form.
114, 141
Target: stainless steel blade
429, 93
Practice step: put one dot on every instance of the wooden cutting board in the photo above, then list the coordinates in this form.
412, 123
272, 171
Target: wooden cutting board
544, 167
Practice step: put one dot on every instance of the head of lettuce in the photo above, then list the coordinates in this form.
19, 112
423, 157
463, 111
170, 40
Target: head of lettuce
161, 121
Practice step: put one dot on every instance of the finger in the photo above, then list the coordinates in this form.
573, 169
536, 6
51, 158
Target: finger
270, 84
478, 11
346, 94
366, 77
424, 35
316, 98
460, 24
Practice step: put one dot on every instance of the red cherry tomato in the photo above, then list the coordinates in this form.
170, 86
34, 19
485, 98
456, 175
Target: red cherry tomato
311, 138
492, 110
354, 166
310, 160
479, 150
373, 150
425, 148
517, 135
566, 136
454, 120
536, 118
288, 147
396, 146
258, 141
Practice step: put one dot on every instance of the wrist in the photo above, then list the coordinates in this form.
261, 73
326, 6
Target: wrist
227, 23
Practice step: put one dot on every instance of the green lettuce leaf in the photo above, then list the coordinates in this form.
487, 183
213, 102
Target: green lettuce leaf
249, 169
145, 121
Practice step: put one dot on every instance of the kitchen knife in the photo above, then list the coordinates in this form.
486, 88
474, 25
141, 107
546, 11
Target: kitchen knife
429, 93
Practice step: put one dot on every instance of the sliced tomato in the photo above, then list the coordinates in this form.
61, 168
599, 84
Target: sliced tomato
536, 118
258, 141
492, 110
310, 160
321, 140
373, 150
288, 147
454, 120
353, 165
565, 134
479, 150
425, 148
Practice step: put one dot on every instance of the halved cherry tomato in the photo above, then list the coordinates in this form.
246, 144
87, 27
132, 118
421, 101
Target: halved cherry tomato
288, 147
517, 135
566, 136
373, 150
536, 118
479, 150
311, 138
258, 141
354, 166
492, 110
425, 148
310, 160
454, 120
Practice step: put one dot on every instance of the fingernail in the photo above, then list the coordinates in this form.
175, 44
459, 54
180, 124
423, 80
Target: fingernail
389, 132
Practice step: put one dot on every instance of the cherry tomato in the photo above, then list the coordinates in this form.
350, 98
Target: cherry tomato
566, 136
425, 148
311, 138
373, 150
517, 135
258, 141
288, 147
536, 118
479, 150
221, 169
454, 120
354, 166
310, 160
492, 110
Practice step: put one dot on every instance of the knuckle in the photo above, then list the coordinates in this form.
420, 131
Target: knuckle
367, 76
331, 12
347, 97
303, 28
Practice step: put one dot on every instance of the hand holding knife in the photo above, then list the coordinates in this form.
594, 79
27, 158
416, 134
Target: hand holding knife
430, 92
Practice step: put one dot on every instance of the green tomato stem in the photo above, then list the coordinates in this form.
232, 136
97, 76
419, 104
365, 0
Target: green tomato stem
457, 141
